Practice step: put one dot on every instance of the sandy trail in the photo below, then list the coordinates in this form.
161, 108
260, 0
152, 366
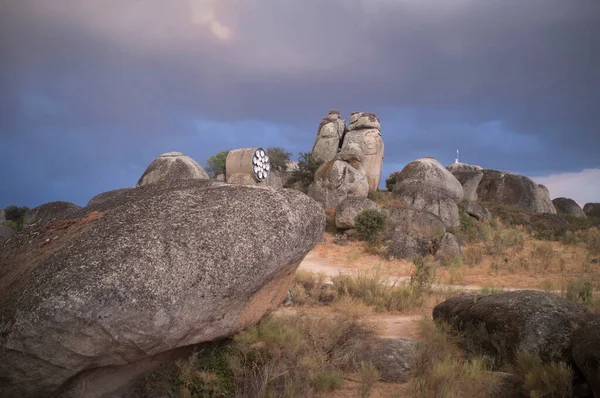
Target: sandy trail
392, 326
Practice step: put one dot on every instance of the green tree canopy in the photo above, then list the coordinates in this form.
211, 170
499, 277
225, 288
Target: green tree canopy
278, 158
215, 165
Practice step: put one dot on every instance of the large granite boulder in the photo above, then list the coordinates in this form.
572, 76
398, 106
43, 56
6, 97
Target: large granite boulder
352, 206
469, 177
568, 206
340, 178
586, 353
499, 325
121, 285
329, 137
103, 197
426, 185
172, 166
592, 210
413, 222
514, 190
364, 130
49, 212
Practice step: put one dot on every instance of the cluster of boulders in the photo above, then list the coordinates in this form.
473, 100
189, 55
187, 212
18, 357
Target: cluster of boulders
92, 298
352, 158
544, 325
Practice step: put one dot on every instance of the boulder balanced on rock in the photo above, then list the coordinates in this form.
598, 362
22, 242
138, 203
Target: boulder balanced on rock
364, 130
329, 137
469, 177
86, 303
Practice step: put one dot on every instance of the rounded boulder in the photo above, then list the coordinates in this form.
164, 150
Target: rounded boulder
172, 166
569, 207
160, 267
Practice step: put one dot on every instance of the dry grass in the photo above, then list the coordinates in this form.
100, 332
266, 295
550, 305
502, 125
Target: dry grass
440, 370
291, 355
544, 380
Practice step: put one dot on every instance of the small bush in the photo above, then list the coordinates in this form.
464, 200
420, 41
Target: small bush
305, 174
544, 380
424, 274
368, 377
379, 197
391, 180
370, 223
543, 254
215, 165
279, 158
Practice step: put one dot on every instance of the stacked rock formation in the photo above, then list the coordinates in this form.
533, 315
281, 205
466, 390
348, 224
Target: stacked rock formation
329, 137
364, 130
341, 177
172, 166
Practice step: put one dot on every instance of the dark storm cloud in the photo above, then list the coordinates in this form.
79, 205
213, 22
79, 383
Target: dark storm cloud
92, 91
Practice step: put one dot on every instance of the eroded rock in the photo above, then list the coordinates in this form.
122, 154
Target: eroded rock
172, 166
349, 208
159, 267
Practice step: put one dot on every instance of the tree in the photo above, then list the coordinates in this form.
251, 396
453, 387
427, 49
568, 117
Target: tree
305, 175
215, 165
391, 180
278, 158
15, 216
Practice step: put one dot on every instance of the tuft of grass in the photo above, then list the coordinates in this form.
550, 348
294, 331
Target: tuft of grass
581, 291
491, 289
544, 380
440, 370
473, 255
368, 377
308, 288
543, 254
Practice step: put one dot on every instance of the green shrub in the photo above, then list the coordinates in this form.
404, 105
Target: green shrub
279, 158
15, 215
215, 165
370, 223
391, 180
305, 174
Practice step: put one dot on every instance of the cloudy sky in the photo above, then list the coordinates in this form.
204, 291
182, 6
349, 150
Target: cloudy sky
91, 91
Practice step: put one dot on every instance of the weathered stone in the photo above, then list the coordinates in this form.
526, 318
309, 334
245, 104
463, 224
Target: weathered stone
2, 216
349, 208
410, 246
220, 177
432, 175
159, 267
592, 210
500, 325
476, 209
371, 144
329, 137
340, 178
514, 190
421, 196
449, 246
568, 206
413, 222
172, 166
586, 353
544, 189
48, 212
340, 240
469, 177
106, 196
363, 121
393, 359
